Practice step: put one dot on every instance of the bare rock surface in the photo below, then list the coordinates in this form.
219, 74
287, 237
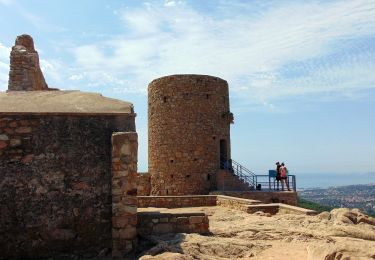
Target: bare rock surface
25, 73
237, 235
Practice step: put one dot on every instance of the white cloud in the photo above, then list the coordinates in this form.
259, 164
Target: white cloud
6, 2
52, 71
76, 77
249, 49
170, 3
4, 66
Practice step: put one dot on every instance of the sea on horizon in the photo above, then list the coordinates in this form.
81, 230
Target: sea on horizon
325, 180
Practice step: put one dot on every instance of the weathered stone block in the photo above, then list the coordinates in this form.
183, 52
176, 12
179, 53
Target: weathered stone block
4, 137
162, 228
3, 144
14, 142
120, 222
196, 219
23, 130
128, 233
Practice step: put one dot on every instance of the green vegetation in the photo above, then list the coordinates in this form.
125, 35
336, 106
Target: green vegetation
361, 196
313, 205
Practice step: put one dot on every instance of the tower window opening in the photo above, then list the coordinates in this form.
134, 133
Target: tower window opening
188, 176
208, 177
165, 99
171, 161
207, 96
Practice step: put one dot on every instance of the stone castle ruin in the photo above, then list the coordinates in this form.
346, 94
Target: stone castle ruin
189, 133
68, 164
25, 73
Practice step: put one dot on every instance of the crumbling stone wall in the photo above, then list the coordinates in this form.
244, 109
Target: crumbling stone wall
153, 223
25, 72
124, 194
188, 118
55, 184
176, 201
286, 197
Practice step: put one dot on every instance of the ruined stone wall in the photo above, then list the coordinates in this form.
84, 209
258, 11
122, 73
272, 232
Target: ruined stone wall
151, 223
124, 192
235, 203
285, 197
55, 184
25, 72
176, 201
144, 184
188, 116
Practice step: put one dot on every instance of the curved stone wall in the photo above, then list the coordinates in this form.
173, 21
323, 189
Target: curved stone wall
189, 120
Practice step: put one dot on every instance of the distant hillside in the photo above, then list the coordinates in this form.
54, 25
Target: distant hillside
303, 203
352, 196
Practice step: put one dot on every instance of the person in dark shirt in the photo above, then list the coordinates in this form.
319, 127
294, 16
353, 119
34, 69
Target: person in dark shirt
278, 175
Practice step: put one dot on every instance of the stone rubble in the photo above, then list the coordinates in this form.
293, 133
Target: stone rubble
25, 73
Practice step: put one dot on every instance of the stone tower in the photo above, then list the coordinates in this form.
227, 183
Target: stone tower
189, 133
25, 72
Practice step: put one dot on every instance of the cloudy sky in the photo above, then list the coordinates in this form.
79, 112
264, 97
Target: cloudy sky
301, 73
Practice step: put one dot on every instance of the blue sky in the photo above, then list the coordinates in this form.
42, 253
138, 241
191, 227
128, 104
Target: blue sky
301, 73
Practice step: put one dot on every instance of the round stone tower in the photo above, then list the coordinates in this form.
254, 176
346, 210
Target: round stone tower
189, 133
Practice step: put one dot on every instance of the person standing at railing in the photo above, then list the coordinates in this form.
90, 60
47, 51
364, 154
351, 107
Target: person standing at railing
278, 177
284, 176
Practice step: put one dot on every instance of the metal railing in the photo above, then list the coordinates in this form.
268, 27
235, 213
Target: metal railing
244, 174
259, 182
270, 183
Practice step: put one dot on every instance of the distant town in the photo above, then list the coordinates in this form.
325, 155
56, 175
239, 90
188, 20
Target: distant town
352, 196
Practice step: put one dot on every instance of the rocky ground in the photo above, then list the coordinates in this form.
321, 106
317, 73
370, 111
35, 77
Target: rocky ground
339, 234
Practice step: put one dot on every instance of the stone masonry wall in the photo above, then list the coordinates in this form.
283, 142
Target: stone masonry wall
144, 184
227, 181
124, 192
235, 203
188, 116
55, 184
25, 72
246, 205
176, 201
152, 223
286, 197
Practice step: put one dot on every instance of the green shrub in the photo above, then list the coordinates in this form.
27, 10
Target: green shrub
313, 205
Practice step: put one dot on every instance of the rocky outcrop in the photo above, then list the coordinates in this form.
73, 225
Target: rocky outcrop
25, 73
339, 234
